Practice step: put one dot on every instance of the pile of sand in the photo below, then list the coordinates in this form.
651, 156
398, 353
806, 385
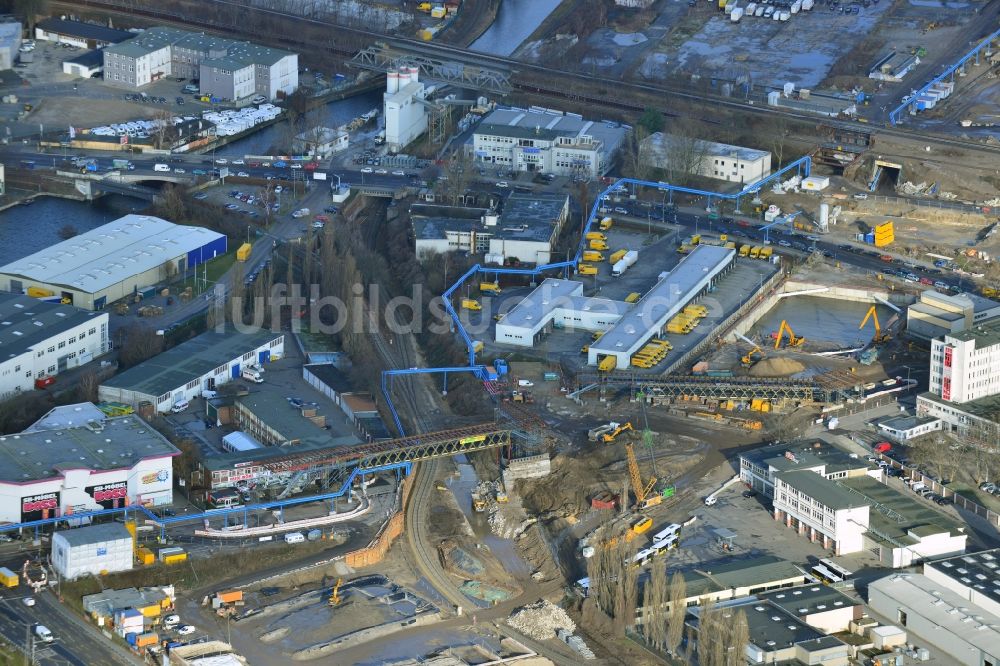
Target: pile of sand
776, 367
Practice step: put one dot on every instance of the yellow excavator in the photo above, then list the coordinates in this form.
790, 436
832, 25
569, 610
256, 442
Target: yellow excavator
610, 436
644, 497
880, 337
754, 355
793, 341
335, 597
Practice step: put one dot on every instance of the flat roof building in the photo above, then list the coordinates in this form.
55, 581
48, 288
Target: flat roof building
226, 68
708, 159
860, 513
686, 282
92, 550
40, 338
87, 465
525, 228
893, 66
932, 612
185, 371
547, 141
112, 261
10, 43
759, 466
936, 314
78, 33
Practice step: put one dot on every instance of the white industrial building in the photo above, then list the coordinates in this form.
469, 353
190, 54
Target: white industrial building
185, 371
557, 304
709, 159
686, 282
76, 459
405, 110
526, 229
10, 42
113, 261
861, 514
546, 141
92, 551
78, 33
947, 623
758, 467
39, 338
226, 68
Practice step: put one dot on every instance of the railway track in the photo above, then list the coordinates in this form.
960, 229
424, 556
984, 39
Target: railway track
239, 12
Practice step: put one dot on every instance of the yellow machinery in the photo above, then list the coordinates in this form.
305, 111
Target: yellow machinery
643, 498
792, 340
633, 297
335, 597
754, 355
610, 436
490, 288
642, 525
478, 503
880, 337
502, 497
607, 223
608, 363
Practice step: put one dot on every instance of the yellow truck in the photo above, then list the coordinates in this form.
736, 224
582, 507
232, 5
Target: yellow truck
617, 256
471, 304
744, 250
608, 363
8, 578
598, 245
633, 297
696, 239
586, 269
755, 252
607, 223
424, 6
731, 245
766, 252
438, 11
595, 235
490, 288
592, 255
243, 253
683, 248
696, 310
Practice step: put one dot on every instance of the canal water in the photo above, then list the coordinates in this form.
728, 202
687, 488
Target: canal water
516, 20
28, 229
821, 320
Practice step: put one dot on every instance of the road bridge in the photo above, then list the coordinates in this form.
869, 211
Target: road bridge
456, 67
721, 388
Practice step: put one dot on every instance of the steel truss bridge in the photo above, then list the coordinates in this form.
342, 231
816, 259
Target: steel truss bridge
465, 70
722, 388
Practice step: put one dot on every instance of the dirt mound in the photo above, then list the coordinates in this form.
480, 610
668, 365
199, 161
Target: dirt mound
776, 367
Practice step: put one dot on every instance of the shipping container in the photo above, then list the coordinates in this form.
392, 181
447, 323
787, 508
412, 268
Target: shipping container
8, 578
144, 640
243, 253
230, 596
175, 559
145, 556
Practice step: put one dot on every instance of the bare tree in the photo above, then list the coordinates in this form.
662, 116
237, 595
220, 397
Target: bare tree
654, 615
739, 637
707, 621
136, 343
86, 386
681, 154
678, 611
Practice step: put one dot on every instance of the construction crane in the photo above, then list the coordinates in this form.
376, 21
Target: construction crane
335, 597
880, 337
754, 355
643, 498
610, 436
792, 340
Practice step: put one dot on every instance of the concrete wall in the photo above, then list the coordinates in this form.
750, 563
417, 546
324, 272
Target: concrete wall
532, 467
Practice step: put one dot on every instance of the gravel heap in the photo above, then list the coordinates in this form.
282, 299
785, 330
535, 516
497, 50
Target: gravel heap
540, 620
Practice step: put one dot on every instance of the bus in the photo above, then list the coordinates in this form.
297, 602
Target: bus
829, 572
223, 498
664, 545
672, 530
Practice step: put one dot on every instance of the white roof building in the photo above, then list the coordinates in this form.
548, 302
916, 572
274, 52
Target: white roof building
113, 261
693, 275
707, 158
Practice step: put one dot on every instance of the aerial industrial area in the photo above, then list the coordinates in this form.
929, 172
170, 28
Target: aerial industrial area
473, 332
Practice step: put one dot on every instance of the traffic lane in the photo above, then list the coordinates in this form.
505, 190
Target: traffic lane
17, 626
69, 637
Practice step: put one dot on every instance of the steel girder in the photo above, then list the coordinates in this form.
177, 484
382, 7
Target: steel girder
382, 59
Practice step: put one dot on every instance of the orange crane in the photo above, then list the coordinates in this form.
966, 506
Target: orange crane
793, 341
335, 597
610, 436
643, 498
880, 337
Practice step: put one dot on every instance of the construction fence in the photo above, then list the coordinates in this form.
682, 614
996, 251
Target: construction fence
376, 549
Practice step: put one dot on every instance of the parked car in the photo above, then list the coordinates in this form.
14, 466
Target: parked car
367, 170
29, 601
186, 629
749, 493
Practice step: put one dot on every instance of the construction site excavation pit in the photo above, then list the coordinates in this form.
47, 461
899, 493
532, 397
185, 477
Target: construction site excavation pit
825, 323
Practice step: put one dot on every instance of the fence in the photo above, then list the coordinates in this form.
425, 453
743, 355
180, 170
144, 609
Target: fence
376, 549
930, 203
992, 517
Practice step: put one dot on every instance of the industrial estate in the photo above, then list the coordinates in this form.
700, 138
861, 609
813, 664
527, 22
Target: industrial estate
495, 332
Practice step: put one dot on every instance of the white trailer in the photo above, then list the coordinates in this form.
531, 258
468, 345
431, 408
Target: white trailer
623, 264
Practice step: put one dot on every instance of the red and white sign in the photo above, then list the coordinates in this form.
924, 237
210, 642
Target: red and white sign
946, 388
947, 357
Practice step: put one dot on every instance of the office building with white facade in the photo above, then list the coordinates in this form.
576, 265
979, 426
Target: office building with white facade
964, 385
864, 514
118, 259
10, 43
73, 461
546, 141
404, 108
709, 159
199, 364
936, 314
92, 550
227, 69
758, 467
39, 338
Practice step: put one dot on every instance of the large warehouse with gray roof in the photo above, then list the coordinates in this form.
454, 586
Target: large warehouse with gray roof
112, 261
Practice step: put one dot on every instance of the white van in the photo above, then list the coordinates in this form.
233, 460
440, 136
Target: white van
251, 374
161, 167
294, 537
180, 406
43, 633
